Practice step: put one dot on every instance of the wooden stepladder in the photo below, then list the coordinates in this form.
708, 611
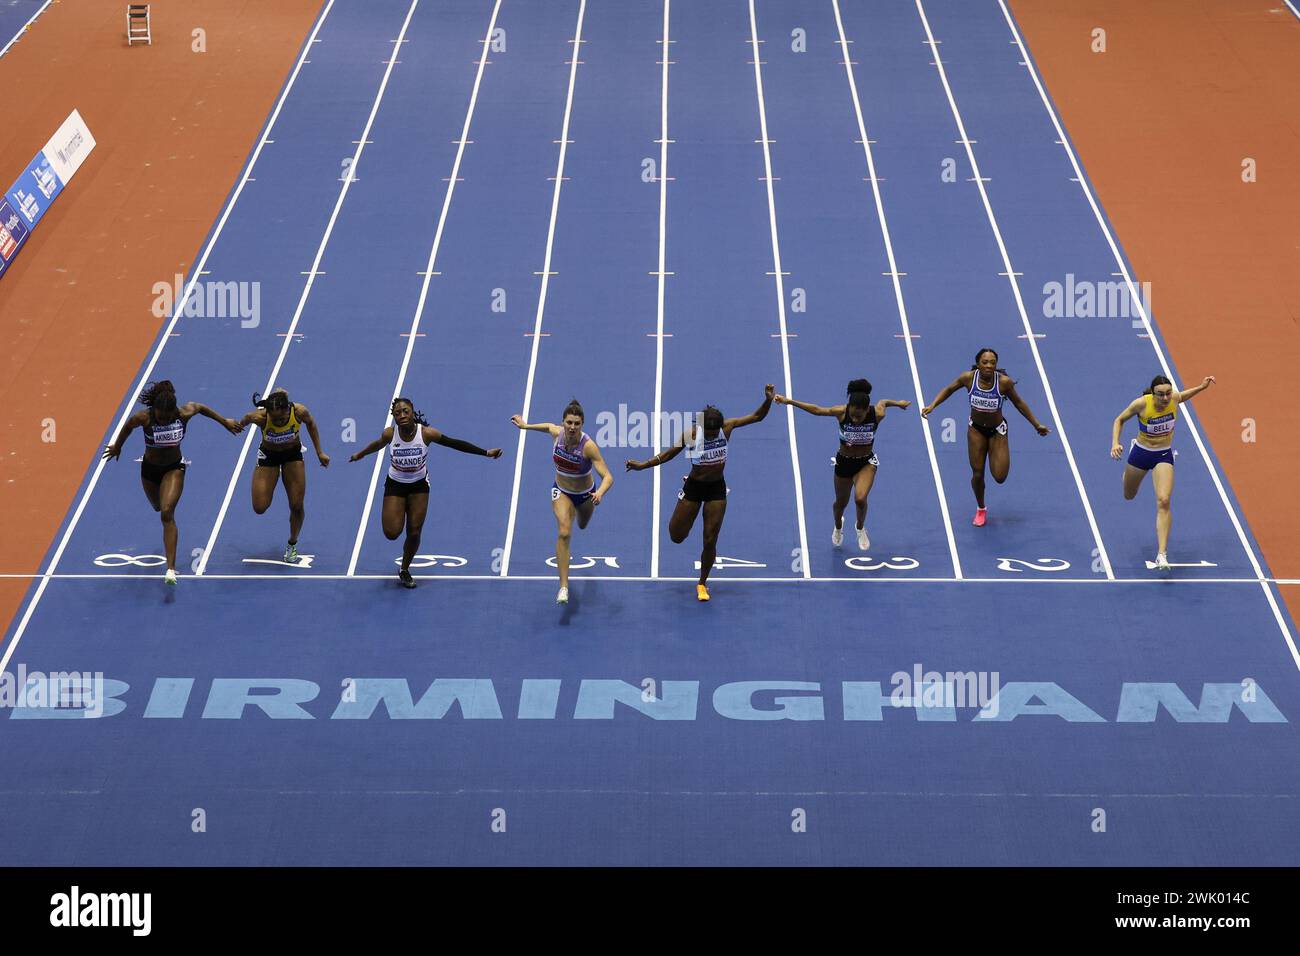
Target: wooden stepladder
137, 24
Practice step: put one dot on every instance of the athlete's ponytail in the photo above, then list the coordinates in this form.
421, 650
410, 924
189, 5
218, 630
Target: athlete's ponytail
419, 416
1155, 382
277, 400
573, 408
159, 395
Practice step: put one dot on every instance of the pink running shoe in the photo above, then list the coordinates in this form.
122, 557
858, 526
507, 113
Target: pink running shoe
981, 515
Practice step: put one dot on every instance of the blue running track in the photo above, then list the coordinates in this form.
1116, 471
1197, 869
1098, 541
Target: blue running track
447, 206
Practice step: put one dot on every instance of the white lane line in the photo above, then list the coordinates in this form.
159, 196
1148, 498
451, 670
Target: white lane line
429, 273
804, 558
177, 311
792, 579
1020, 302
546, 274
1287, 2
1137, 299
656, 421
306, 291
907, 335
23, 28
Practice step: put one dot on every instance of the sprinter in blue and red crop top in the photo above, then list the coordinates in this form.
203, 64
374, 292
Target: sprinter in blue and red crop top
574, 491
162, 470
987, 387
856, 461
705, 443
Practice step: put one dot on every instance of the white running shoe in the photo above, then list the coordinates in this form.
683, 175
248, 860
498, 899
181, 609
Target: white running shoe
837, 536
864, 543
1162, 562
169, 577
562, 597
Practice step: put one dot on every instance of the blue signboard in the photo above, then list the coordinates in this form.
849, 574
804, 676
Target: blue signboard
35, 189
13, 233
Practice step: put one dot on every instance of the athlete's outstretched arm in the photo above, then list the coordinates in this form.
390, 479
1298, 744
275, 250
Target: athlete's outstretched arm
962, 381
1187, 393
304, 416
1009, 390
760, 413
1116, 449
434, 437
190, 409
549, 427
885, 403
375, 445
592, 451
809, 407
668, 454
132, 423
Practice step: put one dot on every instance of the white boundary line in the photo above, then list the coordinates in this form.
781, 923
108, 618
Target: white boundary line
424, 287
1293, 8
1151, 337
306, 289
804, 559
792, 579
23, 28
177, 311
1020, 302
541, 296
898, 294
655, 422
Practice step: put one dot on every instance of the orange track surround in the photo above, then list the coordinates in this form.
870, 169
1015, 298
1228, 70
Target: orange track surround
173, 129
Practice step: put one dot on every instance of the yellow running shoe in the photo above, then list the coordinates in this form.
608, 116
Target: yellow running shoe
701, 592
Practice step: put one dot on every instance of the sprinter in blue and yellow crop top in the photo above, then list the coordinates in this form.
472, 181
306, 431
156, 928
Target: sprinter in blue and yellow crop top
1152, 451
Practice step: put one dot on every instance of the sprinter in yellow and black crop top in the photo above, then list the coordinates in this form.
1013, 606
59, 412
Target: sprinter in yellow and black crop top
1152, 450
279, 458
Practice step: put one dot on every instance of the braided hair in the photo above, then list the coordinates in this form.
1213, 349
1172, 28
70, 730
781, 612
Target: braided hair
419, 416
278, 400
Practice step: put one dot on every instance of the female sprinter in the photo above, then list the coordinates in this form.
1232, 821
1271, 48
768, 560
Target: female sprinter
986, 434
706, 450
855, 462
575, 455
1152, 450
162, 473
279, 458
406, 489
